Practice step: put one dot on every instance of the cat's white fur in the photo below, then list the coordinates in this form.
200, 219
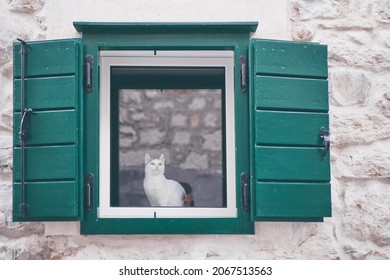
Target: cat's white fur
159, 190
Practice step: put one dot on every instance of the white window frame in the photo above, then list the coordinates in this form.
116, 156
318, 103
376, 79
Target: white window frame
152, 58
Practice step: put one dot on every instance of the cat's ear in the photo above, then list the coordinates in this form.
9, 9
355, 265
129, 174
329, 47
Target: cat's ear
162, 158
147, 158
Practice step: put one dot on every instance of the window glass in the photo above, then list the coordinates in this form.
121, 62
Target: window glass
167, 135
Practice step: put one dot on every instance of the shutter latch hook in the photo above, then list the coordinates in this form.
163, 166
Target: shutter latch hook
326, 136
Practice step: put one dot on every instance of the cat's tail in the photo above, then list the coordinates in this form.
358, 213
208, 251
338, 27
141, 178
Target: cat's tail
188, 200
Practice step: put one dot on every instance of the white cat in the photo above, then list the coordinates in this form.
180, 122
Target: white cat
159, 190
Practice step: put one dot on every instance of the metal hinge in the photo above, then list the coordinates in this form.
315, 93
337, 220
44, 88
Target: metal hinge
88, 191
243, 73
25, 114
88, 74
245, 191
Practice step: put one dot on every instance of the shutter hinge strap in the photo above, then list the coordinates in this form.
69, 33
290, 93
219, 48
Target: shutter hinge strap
88, 74
25, 116
243, 73
88, 191
245, 191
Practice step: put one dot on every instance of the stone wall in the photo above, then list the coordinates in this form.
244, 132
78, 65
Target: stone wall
358, 35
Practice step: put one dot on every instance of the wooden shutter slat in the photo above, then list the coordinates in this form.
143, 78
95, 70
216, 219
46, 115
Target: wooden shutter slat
49, 199
298, 94
47, 93
49, 127
292, 59
289, 128
47, 163
293, 200
291, 164
48, 58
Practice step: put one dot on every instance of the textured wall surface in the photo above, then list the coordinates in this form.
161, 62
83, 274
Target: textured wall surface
358, 35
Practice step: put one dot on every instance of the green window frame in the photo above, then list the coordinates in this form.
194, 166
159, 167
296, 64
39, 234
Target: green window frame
281, 114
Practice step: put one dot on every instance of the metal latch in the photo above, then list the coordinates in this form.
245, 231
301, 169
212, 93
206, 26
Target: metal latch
88, 74
326, 136
23, 125
245, 191
243, 73
88, 191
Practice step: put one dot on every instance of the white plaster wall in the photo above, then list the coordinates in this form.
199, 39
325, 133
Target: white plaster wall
358, 35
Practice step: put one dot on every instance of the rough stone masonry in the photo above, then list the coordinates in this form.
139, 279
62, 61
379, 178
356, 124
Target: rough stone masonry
358, 35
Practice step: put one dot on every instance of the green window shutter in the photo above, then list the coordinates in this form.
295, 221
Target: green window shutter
289, 107
51, 153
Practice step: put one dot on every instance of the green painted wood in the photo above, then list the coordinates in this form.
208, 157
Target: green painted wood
291, 164
183, 40
49, 127
293, 200
47, 163
165, 27
48, 58
294, 59
52, 183
53, 201
47, 93
289, 98
167, 226
290, 128
281, 93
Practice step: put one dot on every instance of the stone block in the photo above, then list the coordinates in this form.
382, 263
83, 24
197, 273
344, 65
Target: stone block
384, 104
374, 59
213, 141
179, 120
152, 136
25, 6
197, 104
363, 163
382, 12
300, 32
366, 217
349, 88
195, 161
311, 9
182, 138
354, 127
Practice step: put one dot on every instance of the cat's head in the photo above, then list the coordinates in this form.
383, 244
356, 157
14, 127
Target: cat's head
154, 166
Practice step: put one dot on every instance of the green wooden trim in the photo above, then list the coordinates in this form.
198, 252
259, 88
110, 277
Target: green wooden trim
49, 127
166, 41
293, 200
167, 226
291, 164
165, 27
290, 128
47, 93
294, 59
47, 163
283, 93
47, 201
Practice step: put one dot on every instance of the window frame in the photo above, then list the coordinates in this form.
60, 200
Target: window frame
165, 36
156, 58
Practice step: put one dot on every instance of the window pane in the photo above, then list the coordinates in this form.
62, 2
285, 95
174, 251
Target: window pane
186, 126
